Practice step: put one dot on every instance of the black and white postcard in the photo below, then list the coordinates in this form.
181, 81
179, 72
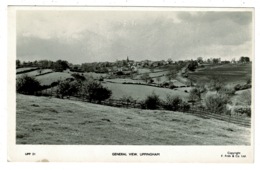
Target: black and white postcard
131, 84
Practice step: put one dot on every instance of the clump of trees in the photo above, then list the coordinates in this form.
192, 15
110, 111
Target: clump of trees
67, 88
193, 65
151, 102
216, 103
27, 85
58, 65
95, 91
175, 103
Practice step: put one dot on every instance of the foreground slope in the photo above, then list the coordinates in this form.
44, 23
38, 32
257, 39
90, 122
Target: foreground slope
44, 120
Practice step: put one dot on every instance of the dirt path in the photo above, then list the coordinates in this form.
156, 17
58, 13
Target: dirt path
182, 79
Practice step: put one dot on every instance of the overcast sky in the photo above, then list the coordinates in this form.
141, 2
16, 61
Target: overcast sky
93, 36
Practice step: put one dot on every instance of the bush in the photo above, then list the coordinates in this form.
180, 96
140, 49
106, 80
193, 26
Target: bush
127, 100
27, 85
216, 103
243, 110
195, 94
94, 91
216, 83
67, 88
172, 103
172, 86
175, 104
151, 102
78, 77
242, 87
227, 90
184, 106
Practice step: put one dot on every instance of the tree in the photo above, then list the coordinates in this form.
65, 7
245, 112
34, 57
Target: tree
193, 65
172, 103
244, 98
27, 85
195, 95
216, 103
60, 65
18, 63
94, 91
158, 79
216, 83
200, 60
79, 77
216, 60
152, 102
67, 88
244, 59
145, 77
169, 61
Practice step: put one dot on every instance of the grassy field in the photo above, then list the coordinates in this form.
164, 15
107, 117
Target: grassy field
140, 92
43, 120
230, 73
47, 79
35, 73
126, 80
24, 69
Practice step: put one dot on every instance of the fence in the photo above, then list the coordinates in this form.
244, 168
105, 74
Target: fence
239, 120
243, 121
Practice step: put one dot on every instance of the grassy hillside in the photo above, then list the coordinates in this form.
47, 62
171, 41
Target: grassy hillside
43, 120
47, 79
230, 73
35, 73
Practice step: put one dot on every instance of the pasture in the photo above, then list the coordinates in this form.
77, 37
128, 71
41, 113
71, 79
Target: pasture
140, 92
126, 80
229, 73
42, 120
24, 69
36, 72
47, 79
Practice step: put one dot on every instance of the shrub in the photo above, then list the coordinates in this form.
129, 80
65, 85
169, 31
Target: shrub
127, 100
27, 85
244, 110
194, 94
152, 102
242, 87
172, 103
216, 103
78, 77
216, 83
227, 90
94, 91
184, 106
193, 65
67, 88
172, 86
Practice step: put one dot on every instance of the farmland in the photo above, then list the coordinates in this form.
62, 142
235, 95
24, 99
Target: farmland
58, 120
140, 92
229, 73
36, 72
42, 120
47, 79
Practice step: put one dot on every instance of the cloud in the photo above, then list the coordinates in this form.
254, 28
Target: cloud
88, 36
